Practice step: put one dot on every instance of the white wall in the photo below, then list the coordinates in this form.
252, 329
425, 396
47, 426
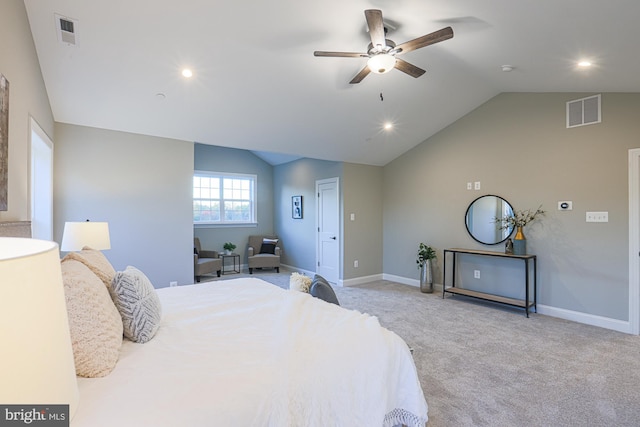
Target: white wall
141, 185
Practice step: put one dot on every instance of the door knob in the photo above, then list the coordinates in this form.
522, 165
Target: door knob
333, 238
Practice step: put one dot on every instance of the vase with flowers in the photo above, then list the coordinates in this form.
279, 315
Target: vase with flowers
518, 220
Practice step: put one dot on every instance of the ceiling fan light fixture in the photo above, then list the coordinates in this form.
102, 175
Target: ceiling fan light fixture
381, 63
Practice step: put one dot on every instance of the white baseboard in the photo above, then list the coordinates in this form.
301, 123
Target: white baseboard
437, 287
360, 280
587, 319
299, 270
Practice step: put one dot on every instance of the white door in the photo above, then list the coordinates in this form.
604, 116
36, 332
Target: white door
328, 238
41, 184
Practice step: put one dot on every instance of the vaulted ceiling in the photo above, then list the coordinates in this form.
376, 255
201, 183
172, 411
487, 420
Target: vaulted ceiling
256, 84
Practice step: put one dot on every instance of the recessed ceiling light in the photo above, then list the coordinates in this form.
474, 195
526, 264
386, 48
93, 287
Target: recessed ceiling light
584, 64
388, 126
187, 73
507, 68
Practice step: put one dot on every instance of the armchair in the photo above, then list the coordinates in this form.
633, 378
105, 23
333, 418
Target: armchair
204, 261
264, 252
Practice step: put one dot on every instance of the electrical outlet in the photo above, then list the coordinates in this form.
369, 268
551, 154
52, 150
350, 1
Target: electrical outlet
469, 186
476, 274
173, 284
476, 185
355, 264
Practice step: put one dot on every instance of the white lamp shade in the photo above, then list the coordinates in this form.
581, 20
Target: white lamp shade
36, 363
381, 63
77, 235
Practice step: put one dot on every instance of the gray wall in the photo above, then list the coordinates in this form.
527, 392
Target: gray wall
141, 185
362, 196
27, 97
221, 159
298, 178
518, 147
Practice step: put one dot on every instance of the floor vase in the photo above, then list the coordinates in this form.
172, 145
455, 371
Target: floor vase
426, 277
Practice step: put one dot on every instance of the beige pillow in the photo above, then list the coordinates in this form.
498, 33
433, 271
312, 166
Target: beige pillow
96, 261
94, 321
299, 282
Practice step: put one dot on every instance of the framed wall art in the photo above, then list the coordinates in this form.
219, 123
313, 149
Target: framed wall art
296, 207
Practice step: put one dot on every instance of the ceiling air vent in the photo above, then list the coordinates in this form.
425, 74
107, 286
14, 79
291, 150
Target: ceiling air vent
66, 29
584, 111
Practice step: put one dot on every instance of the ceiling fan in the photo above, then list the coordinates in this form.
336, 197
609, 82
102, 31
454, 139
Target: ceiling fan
382, 51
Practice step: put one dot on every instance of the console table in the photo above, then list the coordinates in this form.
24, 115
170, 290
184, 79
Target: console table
236, 263
528, 259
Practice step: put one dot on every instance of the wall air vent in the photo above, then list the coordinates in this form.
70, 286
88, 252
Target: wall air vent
66, 29
584, 111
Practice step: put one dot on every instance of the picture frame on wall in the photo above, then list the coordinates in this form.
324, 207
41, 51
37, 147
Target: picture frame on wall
296, 207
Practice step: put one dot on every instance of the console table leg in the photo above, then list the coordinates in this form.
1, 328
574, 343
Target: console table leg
526, 286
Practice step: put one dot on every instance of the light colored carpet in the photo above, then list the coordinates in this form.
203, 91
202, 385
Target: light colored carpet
482, 364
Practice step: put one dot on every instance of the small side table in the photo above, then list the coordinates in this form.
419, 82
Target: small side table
236, 263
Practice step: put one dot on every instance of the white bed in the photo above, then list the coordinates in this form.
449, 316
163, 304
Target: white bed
244, 352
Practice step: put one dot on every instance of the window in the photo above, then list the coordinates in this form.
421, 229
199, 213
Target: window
224, 198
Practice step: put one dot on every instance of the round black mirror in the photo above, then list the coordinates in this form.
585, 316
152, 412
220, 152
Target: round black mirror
480, 219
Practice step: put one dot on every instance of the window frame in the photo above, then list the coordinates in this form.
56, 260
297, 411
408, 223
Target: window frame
222, 176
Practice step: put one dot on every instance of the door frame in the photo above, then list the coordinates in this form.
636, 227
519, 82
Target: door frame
336, 181
634, 241
36, 231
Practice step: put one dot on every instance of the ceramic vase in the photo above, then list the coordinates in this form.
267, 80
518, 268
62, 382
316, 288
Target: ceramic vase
519, 242
426, 277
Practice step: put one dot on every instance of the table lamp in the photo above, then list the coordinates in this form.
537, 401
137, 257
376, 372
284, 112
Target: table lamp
77, 235
36, 357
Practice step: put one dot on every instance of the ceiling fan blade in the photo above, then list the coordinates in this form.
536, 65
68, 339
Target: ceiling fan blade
361, 75
376, 27
410, 69
429, 39
341, 54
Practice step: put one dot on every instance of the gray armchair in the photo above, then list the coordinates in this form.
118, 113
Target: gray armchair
264, 252
204, 261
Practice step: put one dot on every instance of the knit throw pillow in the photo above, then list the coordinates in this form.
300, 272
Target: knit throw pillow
299, 282
96, 261
138, 304
94, 322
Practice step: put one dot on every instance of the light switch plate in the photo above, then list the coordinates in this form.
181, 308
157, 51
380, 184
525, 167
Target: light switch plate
597, 216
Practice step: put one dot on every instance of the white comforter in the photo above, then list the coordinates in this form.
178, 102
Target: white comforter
243, 352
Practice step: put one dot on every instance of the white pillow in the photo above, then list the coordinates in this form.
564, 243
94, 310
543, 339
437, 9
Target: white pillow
299, 282
138, 304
